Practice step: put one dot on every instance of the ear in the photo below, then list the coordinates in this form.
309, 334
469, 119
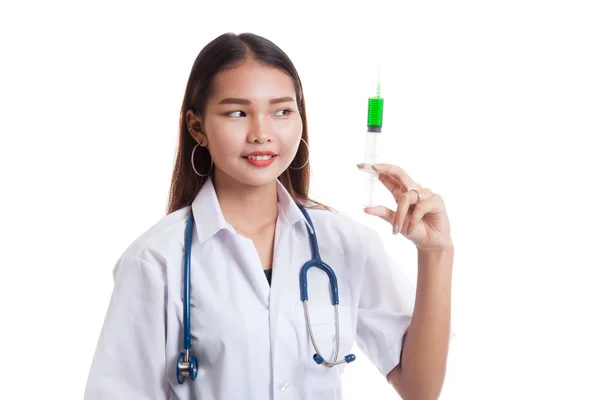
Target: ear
195, 127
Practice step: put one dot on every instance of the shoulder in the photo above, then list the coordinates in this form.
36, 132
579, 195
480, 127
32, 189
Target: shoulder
153, 246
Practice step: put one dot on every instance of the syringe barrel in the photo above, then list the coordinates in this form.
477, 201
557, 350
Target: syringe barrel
375, 112
371, 158
372, 147
369, 189
374, 123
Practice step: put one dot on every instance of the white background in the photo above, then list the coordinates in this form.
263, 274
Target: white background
493, 105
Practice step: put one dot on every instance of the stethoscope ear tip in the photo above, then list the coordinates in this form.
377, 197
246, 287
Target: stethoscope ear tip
318, 359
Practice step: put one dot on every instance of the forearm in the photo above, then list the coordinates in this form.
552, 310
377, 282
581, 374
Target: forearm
421, 373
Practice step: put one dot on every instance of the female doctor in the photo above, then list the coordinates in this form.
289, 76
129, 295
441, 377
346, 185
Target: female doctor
242, 173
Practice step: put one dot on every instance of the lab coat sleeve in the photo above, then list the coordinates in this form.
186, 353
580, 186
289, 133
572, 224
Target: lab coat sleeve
129, 361
385, 308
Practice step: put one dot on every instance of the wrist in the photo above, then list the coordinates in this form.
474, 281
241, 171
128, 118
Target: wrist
446, 248
435, 260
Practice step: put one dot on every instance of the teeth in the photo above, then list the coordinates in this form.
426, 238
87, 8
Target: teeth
260, 158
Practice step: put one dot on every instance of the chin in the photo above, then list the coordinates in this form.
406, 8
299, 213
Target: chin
253, 177
259, 178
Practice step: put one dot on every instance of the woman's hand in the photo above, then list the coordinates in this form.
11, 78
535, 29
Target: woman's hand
424, 222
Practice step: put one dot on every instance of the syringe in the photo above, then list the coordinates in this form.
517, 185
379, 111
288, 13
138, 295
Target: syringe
374, 124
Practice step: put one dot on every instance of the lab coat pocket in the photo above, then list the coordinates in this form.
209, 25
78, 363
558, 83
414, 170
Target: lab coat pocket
322, 320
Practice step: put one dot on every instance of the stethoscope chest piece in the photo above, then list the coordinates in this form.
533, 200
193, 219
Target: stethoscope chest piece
186, 367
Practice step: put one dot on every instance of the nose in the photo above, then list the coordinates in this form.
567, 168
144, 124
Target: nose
260, 130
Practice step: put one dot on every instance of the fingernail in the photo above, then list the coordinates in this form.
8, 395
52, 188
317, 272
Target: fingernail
395, 229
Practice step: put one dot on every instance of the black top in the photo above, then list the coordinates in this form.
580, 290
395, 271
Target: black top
268, 273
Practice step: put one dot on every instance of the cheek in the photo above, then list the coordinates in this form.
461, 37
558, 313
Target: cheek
290, 139
295, 126
225, 143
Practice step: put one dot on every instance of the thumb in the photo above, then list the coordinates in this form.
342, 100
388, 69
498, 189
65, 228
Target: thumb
382, 212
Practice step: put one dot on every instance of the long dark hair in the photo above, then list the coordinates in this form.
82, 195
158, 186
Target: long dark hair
225, 52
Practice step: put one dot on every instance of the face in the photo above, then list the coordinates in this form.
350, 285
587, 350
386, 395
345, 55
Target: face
252, 126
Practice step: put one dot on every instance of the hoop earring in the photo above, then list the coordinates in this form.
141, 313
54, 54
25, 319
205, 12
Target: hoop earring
307, 157
193, 166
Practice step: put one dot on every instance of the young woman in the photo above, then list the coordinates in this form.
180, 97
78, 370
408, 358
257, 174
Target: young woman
240, 189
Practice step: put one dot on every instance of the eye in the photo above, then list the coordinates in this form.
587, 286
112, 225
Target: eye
284, 110
229, 114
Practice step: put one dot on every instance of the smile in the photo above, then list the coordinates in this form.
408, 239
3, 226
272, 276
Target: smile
261, 158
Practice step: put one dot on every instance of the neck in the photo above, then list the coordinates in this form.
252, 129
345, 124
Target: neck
249, 209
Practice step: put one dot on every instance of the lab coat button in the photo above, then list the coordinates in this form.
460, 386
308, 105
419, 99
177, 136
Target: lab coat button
283, 386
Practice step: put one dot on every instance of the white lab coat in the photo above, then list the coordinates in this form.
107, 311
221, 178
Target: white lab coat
250, 339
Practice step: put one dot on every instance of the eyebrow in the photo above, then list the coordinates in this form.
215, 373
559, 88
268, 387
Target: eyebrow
277, 100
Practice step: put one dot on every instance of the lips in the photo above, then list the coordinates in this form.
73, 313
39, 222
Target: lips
259, 153
260, 158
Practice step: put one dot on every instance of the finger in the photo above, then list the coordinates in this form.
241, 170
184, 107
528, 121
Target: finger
401, 213
382, 212
424, 194
432, 204
422, 208
405, 202
396, 172
391, 184
389, 181
385, 177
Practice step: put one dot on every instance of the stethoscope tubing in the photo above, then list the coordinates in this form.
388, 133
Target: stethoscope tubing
187, 364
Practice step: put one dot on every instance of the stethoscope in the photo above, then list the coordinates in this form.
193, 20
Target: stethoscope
187, 364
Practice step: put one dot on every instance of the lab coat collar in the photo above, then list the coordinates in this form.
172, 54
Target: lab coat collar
209, 219
289, 208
